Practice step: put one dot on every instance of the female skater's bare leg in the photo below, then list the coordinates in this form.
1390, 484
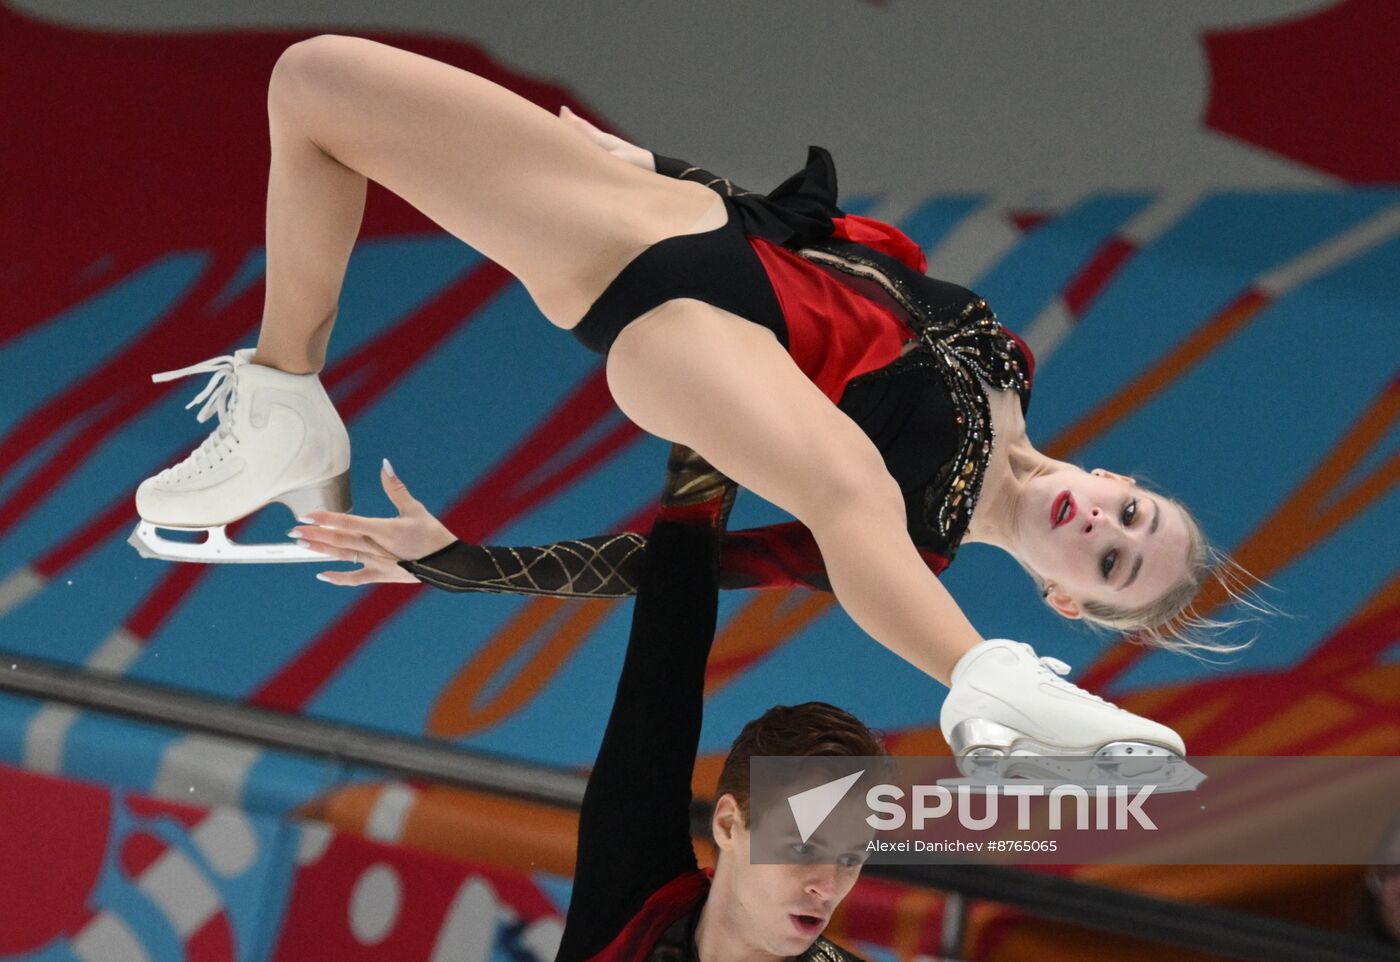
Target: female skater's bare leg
498, 172
493, 169
705, 378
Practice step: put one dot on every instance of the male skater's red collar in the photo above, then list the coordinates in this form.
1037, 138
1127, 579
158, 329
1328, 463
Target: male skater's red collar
666, 904
675, 899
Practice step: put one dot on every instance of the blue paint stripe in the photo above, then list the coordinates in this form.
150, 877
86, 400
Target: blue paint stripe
1036, 271
44, 360
936, 217
1206, 260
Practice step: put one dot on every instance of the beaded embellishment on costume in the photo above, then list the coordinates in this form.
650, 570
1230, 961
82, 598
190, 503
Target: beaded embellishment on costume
970, 346
824, 950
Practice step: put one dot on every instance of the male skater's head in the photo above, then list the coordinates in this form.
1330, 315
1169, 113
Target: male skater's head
781, 909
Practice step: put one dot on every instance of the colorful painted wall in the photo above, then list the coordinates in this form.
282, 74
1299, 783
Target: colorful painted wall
1192, 214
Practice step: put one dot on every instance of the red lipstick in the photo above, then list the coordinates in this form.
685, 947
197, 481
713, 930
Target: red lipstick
1063, 509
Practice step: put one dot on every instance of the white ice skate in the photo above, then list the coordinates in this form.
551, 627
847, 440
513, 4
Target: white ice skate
1011, 718
279, 439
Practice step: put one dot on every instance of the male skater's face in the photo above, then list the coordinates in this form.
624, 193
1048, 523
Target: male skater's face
783, 908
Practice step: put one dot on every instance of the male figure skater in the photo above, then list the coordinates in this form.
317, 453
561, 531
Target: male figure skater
638, 892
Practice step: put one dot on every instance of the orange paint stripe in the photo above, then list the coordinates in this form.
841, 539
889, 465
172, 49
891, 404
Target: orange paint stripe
1313, 512
456, 712
1316, 509
1189, 353
762, 625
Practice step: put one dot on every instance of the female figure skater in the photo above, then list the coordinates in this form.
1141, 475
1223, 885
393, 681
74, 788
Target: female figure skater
731, 324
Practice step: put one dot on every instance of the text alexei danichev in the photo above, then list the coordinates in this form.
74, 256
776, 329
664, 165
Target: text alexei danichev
997, 845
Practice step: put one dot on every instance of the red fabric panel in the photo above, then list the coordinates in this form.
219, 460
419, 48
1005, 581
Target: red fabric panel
883, 237
834, 333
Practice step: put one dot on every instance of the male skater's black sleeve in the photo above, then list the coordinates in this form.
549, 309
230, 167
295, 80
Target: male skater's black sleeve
634, 827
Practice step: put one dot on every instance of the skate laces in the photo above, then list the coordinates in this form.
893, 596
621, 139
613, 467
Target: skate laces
218, 398
1057, 669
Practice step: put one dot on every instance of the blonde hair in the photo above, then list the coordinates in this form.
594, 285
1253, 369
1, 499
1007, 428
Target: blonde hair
1173, 621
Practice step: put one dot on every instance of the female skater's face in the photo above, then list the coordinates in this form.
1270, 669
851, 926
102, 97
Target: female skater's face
1097, 536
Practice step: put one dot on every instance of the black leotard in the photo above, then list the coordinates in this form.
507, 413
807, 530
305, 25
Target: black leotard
714, 266
925, 410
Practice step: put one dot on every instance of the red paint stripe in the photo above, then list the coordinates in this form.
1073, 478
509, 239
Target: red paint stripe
105, 399
82, 922
406, 342
139, 852
498, 499
642, 520
870, 912
143, 806
1270, 694
379, 364
211, 942
1357, 643
32, 299
1028, 220
1110, 665
1096, 274
161, 600
719, 669
73, 251
115, 517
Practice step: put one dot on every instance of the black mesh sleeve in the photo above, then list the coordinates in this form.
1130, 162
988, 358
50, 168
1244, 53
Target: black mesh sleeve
684, 170
604, 566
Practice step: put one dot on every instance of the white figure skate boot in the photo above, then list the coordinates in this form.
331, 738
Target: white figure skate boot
279, 439
1010, 715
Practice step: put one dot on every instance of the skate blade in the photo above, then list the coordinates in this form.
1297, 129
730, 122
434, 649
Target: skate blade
216, 548
991, 755
1169, 774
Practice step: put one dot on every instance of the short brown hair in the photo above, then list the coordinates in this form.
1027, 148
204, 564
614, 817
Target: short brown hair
812, 728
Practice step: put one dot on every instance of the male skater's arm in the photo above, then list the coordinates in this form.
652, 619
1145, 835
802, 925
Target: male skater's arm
634, 826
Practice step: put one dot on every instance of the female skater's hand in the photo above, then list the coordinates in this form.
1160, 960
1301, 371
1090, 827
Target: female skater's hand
614, 145
376, 544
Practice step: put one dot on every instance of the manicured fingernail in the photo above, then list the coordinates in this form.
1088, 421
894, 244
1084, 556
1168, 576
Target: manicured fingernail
303, 544
389, 469
295, 533
306, 521
322, 576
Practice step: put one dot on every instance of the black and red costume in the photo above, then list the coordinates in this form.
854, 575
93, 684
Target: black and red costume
638, 890
902, 354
